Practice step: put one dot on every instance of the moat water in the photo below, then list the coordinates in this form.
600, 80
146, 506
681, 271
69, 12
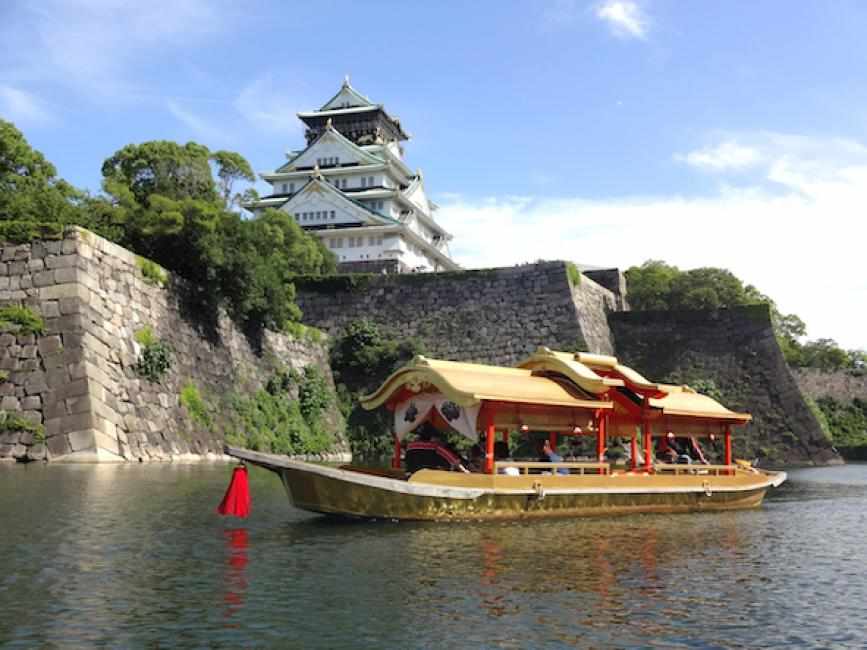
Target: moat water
135, 556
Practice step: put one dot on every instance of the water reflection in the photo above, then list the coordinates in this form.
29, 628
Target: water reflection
134, 556
235, 579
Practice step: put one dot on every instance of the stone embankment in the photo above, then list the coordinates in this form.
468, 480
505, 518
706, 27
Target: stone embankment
734, 353
78, 378
491, 315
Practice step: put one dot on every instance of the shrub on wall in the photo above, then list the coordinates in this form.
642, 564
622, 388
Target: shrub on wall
191, 399
271, 420
22, 320
152, 272
155, 357
361, 359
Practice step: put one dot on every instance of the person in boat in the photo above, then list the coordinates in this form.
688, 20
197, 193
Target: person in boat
694, 451
501, 452
428, 452
476, 461
547, 454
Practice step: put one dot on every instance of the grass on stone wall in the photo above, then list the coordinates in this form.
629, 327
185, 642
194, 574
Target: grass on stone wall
573, 274
152, 272
14, 423
301, 332
22, 320
191, 399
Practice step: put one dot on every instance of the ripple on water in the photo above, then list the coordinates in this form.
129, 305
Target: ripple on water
135, 555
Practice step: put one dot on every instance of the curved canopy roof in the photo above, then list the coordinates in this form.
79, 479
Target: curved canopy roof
467, 384
567, 364
597, 373
684, 401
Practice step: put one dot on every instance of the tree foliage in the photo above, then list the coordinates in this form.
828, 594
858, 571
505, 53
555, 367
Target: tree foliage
30, 189
176, 204
361, 359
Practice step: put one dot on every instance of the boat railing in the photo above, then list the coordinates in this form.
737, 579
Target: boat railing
684, 468
573, 468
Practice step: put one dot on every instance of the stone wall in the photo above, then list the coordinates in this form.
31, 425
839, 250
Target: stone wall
737, 351
494, 315
78, 378
842, 385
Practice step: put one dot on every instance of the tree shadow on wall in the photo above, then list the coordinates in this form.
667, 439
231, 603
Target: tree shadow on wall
199, 308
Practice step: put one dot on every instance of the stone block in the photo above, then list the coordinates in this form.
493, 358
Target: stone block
53, 361
65, 275
70, 305
71, 389
68, 290
56, 377
6, 451
80, 404
35, 384
43, 279
28, 352
31, 403
33, 416
58, 445
105, 441
50, 345
35, 264
61, 261
81, 440
10, 403
37, 451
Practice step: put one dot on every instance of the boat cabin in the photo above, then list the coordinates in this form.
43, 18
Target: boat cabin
558, 393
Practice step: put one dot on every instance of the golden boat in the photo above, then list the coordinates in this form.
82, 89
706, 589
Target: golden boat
562, 394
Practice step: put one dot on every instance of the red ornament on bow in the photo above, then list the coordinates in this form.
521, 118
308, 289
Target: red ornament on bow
236, 501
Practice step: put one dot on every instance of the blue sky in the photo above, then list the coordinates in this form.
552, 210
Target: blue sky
727, 134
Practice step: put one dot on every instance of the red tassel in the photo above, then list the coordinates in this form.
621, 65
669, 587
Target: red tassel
236, 501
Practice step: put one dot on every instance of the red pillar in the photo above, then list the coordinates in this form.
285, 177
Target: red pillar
728, 444
395, 460
552, 440
634, 451
600, 437
648, 463
489, 445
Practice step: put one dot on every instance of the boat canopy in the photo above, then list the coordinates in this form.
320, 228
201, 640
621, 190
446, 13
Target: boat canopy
669, 407
457, 392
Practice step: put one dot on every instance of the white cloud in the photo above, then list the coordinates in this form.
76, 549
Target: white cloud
268, 108
97, 46
22, 107
724, 156
801, 242
623, 17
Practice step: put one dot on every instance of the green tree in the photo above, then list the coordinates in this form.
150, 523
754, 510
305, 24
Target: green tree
649, 285
707, 288
30, 189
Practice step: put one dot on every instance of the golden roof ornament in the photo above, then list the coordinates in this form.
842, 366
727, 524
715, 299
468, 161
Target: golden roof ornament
328, 124
317, 174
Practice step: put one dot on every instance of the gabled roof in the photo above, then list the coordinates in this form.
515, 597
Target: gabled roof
346, 97
565, 364
317, 184
597, 373
330, 132
467, 384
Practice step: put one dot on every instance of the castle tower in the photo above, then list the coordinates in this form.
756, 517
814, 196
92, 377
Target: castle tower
352, 188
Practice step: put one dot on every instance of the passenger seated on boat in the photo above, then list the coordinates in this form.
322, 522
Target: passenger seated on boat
693, 449
551, 456
667, 449
428, 452
476, 461
501, 452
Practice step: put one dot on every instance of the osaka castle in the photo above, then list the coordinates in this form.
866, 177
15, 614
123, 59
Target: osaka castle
352, 188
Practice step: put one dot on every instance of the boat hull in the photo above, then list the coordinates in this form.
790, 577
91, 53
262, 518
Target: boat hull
441, 496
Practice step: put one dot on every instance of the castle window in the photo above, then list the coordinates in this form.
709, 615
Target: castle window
285, 188
343, 183
370, 181
352, 242
379, 241
371, 241
291, 188
333, 215
363, 181
359, 242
